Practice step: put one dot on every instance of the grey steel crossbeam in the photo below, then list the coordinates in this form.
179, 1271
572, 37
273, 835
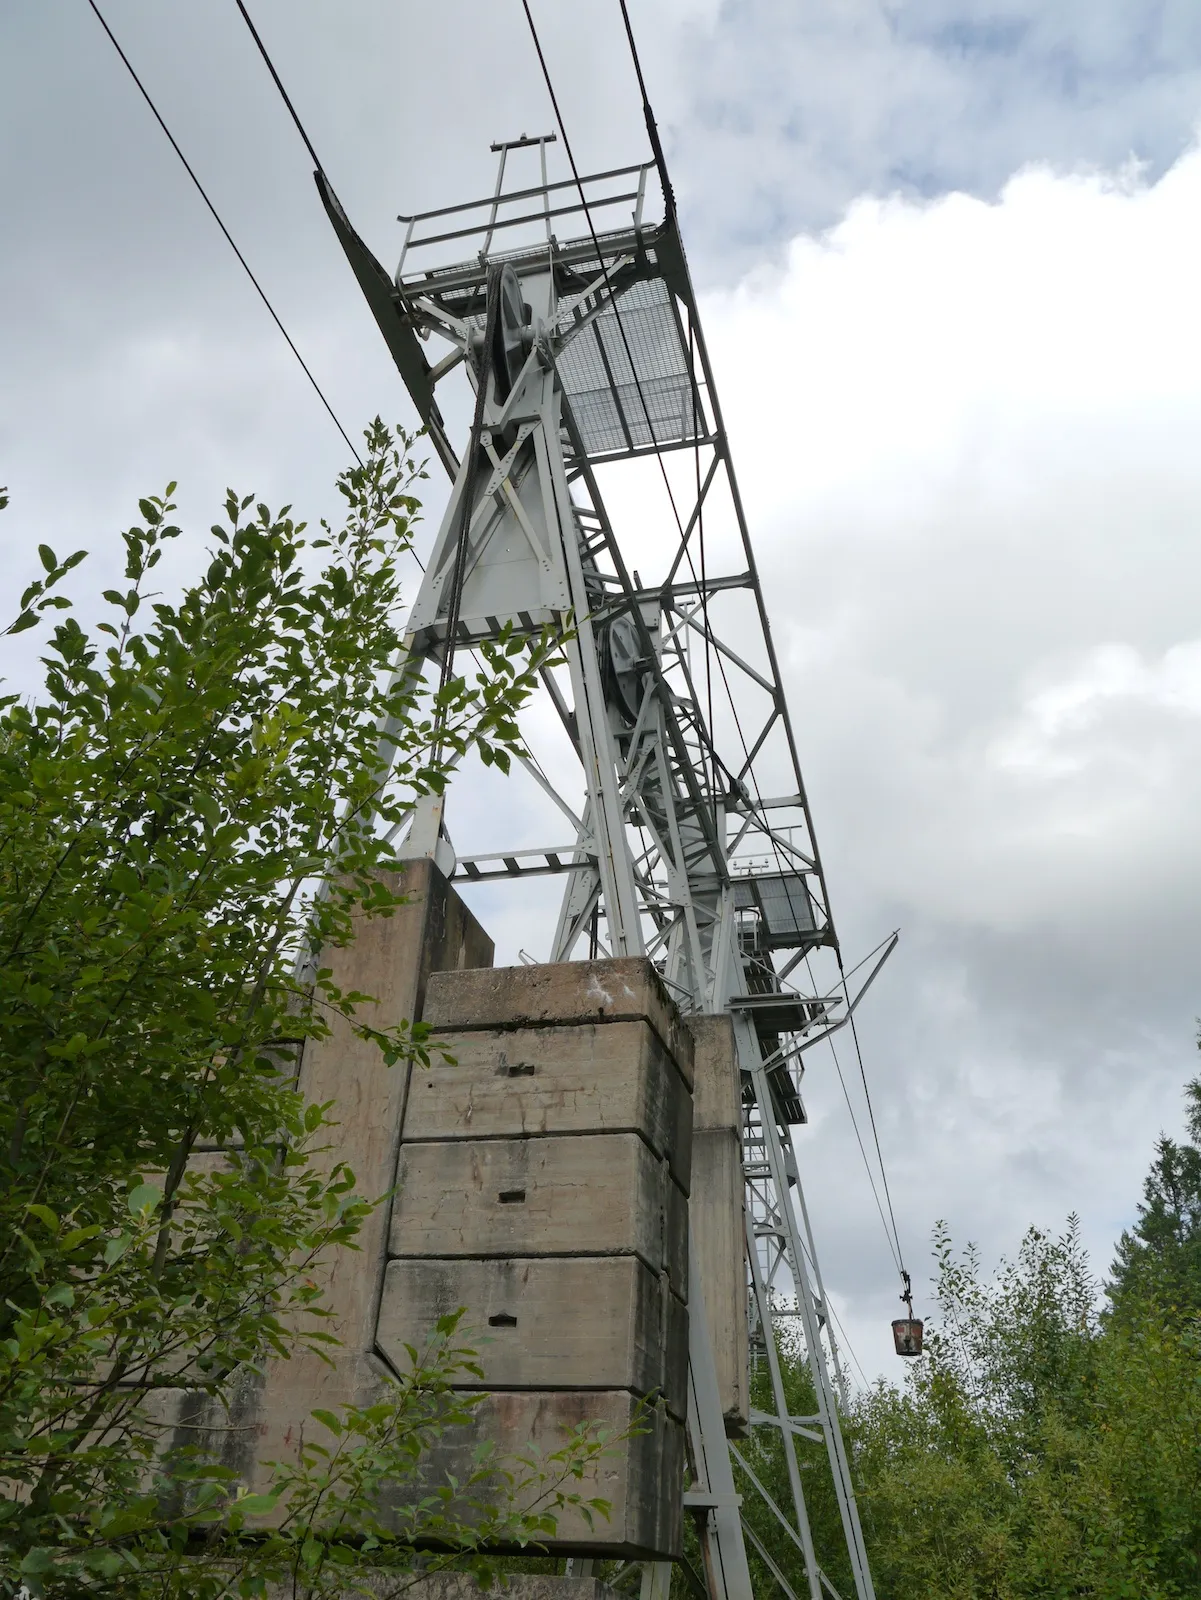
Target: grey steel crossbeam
521, 863
470, 276
601, 458
668, 593
517, 194
516, 222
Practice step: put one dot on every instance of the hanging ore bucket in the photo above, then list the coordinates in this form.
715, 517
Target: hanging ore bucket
907, 1336
907, 1330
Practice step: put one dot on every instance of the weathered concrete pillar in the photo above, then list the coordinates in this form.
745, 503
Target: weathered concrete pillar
392, 958
543, 1185
541, 1180
717, 1210
465, 1586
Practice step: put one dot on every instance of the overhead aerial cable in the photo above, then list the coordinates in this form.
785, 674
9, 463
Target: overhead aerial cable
669, 201
278, 81
229, 238
494, 295
892, 1234
200, 189
456, 588
907, 1332
875, 1132
889, 1233
652, 127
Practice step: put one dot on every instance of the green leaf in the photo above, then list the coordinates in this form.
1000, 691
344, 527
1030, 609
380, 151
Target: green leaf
69, 1048
144, 1199
106, 1562
74, 1237
47, 557
258, 1505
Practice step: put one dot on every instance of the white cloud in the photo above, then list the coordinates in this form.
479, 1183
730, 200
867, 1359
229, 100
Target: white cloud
966, 434
783, 113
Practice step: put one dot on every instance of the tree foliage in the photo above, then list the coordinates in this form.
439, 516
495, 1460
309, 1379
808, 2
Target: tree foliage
193, 804
1037, 1451
1160, 1258
1043, 1447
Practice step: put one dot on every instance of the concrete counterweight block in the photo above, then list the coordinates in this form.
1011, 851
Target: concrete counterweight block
549, 1323
641, 1477
542, 1183
626, 989
583, 1077
539, 1197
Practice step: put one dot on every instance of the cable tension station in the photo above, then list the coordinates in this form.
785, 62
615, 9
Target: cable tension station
605, 1174
693, 900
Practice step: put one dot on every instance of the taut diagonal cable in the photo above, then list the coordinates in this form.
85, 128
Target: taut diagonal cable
229, 238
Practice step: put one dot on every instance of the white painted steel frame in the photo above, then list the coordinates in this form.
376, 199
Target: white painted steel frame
667, 775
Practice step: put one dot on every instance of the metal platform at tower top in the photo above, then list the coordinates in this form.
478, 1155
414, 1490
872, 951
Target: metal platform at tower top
693, 843
629, 356
624, 363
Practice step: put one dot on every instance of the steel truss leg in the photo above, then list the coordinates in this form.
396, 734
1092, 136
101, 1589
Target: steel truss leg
776, 1181
763, 1307
712, 1496
656, 1581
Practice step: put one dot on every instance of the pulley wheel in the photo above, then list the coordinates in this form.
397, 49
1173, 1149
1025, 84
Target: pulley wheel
510, 340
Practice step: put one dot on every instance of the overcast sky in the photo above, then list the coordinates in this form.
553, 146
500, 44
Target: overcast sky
949, 254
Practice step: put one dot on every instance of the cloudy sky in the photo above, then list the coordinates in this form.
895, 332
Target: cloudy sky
948, 252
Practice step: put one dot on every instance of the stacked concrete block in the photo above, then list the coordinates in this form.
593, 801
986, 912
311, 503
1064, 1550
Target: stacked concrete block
717, 1210
541, 1180
466, 1586
543, 1184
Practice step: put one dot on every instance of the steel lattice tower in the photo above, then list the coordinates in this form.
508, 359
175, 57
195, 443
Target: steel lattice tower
692, 843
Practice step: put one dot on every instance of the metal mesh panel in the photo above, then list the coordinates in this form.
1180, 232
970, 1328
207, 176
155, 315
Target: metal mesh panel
621, 400
782, 900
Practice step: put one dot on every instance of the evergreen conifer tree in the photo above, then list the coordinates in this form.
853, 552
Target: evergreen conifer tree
1160, 1258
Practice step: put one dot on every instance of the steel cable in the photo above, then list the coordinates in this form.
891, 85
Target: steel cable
669, 197
229, 238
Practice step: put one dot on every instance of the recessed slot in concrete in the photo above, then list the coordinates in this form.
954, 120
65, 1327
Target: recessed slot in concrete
502, 1320
511, 1197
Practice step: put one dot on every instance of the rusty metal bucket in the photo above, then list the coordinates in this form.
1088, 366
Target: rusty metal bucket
907, 1336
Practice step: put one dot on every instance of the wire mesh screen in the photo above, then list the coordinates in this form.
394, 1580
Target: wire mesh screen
783, 902
626, 375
